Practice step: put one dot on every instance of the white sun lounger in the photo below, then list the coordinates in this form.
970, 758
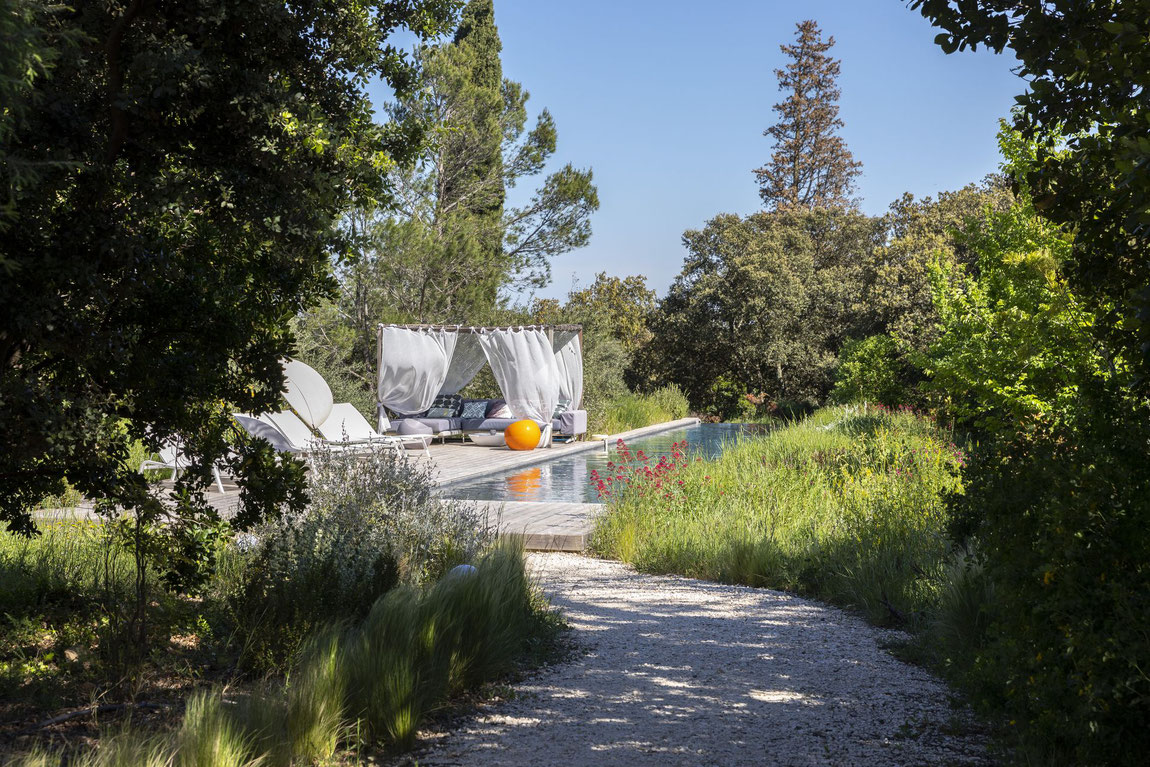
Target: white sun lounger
171, 457
345, 425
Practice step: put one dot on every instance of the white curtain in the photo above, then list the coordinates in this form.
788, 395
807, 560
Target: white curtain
466, 362
569, 361
523, 362
413, 367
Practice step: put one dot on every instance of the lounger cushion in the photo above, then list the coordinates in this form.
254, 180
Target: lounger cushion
410, 427
571, 423
471, 424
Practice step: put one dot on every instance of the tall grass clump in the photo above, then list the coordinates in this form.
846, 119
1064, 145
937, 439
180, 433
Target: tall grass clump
71, 562
416, 649
847, 505
64, 589
633, 411
373, 523
370, 683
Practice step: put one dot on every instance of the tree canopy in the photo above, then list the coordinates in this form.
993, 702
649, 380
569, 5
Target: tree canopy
191, 161
1087, 105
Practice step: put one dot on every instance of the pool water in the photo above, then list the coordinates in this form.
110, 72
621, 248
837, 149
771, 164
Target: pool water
569, 478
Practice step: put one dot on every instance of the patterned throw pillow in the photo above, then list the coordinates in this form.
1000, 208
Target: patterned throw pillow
445, 406
474, 408
563, 406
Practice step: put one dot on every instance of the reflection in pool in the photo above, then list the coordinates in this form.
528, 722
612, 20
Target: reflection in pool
569, 478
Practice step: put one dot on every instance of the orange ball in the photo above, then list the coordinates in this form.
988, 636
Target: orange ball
522, 435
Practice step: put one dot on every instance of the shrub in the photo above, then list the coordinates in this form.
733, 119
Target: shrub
1062, 521
373, 522
871, 370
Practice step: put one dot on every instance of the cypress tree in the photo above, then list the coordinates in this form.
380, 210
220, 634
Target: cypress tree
811, 166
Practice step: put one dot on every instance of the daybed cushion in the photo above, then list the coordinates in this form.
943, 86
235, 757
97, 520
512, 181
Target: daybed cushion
411, 427
497, 424
446, 406
571, 423
436, 425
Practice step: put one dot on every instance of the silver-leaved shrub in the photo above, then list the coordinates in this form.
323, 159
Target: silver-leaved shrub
374, 521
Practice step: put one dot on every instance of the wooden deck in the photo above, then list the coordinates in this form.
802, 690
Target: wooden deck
543, 526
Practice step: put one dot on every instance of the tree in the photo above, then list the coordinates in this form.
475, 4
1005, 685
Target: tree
470, 164
919, 233
436, 253
621, 304
811, 166
613, 312
192, 161
1088, 70
430, 259
762, 305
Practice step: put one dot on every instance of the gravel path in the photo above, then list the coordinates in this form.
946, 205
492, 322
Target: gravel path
685, 672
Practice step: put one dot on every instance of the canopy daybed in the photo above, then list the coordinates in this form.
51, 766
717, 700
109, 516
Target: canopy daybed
538, 368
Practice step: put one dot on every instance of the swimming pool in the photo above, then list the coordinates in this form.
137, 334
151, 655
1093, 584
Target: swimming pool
569, 478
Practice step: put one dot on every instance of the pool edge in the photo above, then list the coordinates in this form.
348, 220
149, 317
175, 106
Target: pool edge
540, 455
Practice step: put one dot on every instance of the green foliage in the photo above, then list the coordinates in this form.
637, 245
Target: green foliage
634, 411
1087, 68
187, 180
1055, 509
871, 370
919, 234
613, 312
1061, 518
847, 506
1014, 344
617, 305
368, 684
61, 590
604, 362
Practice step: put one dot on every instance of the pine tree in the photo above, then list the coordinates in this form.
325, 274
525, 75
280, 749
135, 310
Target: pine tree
811, 166
472, 158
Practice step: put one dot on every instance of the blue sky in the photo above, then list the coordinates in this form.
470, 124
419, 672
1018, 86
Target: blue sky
667, 102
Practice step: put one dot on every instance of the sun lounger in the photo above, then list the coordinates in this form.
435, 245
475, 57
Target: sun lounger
346, 425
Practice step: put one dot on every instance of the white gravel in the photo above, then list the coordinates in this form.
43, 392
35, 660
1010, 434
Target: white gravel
685, 672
